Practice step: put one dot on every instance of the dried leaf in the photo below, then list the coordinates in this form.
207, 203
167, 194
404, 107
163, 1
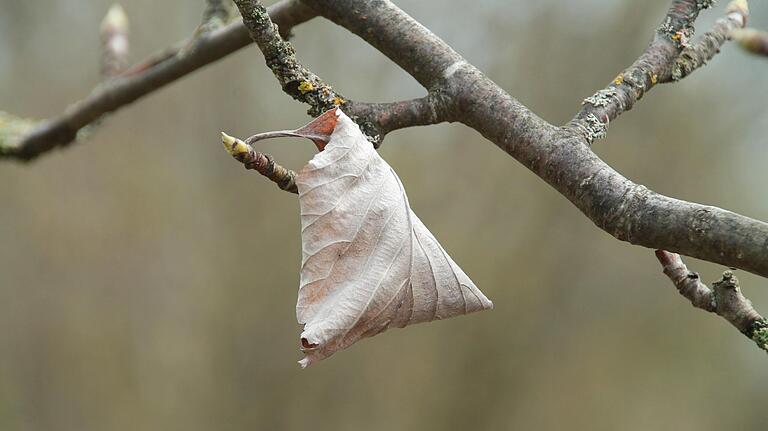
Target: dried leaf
368, 262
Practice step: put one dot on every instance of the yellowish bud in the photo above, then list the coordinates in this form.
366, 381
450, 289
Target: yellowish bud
234, 146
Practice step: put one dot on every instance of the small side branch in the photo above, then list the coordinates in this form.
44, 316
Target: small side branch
724, 298
296, 80
752, 40
709, 44
669, 57
378, 119
264, 164
114, 42
375, 119
140, 80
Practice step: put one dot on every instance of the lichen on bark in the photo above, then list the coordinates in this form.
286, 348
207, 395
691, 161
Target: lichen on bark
295, 80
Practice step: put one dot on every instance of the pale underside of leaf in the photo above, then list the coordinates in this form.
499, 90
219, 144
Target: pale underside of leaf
368, 263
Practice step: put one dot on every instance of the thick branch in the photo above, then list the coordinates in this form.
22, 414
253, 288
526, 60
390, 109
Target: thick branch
140, 81
668, 57
318, 131
562, 158
427, 58
724, 299
376, 119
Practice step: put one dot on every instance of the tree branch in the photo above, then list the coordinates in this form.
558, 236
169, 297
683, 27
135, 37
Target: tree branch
264, 164
375, 119
724, 299
561, 157
752, 40
697, 55
139, 81
295, 80
668, 58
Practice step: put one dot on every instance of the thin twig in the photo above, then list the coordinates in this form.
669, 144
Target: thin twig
561, 157
378, 119
296, 80
752, 40
151, 75
724, 298
655, 65
697, 55
375, 119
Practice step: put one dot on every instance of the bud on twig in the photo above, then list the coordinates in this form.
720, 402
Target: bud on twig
260, 162
114, 41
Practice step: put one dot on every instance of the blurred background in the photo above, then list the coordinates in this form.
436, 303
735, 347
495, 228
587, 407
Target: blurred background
124, 303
